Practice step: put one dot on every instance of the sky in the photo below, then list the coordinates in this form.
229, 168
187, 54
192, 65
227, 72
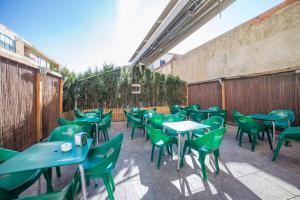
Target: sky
81, 34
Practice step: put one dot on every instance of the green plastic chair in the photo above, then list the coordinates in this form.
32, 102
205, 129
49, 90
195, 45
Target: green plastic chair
173, 118
63, 133
207, 144
288, 118
217, 108
175, 108
102, 160
78, 113
107, 114
157, 121
135, 123
160, 140
192, 109
85, 126
67, 193
98, 111
104, 125
91, 115
182, 113
148, 114
126, 115
194, 106
198, 116
221, 113
137, 113
12, 185
135, 109
252, 128
292, 133
62, 121
214, 122
235, 116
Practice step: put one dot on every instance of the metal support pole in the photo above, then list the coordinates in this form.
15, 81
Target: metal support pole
178, 164
83, 183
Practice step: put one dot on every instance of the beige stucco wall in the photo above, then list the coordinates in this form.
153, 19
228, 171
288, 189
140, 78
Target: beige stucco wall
20, 46
270, 42
165, 69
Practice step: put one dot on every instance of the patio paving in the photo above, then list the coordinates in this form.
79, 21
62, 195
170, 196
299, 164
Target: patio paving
243, 174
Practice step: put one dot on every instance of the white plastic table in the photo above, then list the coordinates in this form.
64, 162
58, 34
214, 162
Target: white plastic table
183, 126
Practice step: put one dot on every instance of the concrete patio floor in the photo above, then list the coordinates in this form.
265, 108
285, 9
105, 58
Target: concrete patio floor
243, 174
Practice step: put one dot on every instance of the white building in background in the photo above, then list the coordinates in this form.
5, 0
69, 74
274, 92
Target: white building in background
11, 42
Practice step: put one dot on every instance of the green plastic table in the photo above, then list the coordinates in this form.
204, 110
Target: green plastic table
208, 111
92, 120
271, 118
89, 119
183, 126
47, 155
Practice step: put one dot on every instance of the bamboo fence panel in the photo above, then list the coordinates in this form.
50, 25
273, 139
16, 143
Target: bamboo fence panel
262, 94
248, 95
50, 107
206, 94
297, 97
18, 105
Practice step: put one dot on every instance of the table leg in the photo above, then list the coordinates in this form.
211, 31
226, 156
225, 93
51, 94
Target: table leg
273, 139
97, 136
39, 186
178, 164
83, 183
145, 130
190, 136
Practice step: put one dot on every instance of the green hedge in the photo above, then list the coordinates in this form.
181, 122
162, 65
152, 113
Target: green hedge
111, 87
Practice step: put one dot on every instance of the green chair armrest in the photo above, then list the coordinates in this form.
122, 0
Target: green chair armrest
103, 149
54, 195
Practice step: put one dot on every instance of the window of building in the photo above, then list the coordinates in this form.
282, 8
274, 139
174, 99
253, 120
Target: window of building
162, 62
40, 61
7, 42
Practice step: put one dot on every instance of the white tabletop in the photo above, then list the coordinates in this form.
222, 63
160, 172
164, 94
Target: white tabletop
185, 126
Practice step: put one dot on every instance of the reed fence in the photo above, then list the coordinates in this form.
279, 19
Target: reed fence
17, 107
28, 108
50, 108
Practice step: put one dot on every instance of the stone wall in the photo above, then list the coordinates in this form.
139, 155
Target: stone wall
268, 43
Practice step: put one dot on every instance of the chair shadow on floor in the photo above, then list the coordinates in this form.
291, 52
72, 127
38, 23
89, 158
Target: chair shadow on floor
136, 177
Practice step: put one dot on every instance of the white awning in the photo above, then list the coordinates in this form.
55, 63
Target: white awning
178, 20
